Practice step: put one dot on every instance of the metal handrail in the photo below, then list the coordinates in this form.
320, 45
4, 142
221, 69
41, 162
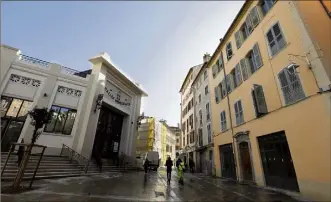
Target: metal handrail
73, 155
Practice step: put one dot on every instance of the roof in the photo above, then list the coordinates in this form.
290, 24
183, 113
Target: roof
104, 57
189, 72
227, 35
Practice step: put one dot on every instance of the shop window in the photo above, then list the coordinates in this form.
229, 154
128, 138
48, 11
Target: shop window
62, 120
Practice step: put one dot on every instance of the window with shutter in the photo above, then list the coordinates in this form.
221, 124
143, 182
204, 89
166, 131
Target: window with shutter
223, 88
239, 112
259, 100
214, 70
275, 38
234, 79
290, 85
206, 90
257, 57
223, 121
217, 94
200, 115
266, 5
229, 50
199, 98
209, 133
249, 25
244, 69
255, 18
237, 36
207, 112
229, 83
220, 63
238, 75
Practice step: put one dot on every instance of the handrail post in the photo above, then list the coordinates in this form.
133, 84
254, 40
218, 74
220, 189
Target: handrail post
35, 171
61, 150
4, 166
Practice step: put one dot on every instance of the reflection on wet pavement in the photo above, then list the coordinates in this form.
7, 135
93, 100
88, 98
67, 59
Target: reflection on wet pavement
138, 186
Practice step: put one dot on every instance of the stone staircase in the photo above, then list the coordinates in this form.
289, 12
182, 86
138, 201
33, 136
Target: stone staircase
52, 167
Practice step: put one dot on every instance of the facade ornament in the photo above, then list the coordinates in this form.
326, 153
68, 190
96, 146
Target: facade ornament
24, 80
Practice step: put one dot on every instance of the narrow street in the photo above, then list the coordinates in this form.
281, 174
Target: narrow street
136, 186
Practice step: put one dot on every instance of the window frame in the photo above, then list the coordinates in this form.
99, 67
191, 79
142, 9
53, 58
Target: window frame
223, 121
19, 110
64, 124
209, 133
285, 70
242, 112
227, 49
275, 39
207, 111
206, 90
205, 74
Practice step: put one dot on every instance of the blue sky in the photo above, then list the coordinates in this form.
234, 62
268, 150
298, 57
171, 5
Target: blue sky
155, 43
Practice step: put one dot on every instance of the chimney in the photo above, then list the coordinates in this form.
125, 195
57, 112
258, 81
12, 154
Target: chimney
206, 57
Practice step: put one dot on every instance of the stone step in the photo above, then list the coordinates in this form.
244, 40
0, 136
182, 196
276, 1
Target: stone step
29, 170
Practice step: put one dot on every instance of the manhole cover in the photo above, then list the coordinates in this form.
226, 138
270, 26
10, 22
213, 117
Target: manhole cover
158, 193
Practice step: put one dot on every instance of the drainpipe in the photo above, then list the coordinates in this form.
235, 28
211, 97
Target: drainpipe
231, 125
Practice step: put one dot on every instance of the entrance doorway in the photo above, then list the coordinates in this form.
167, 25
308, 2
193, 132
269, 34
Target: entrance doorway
277, 162
13, 115
108, 135
245, 161
228, 168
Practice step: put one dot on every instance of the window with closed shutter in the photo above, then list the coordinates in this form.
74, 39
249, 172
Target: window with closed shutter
217, 94
244, 68
290, 85
238, 38
275, 38
249, 25
223, 121
238, 75
207, 112
223, 88
200, 116
254, 14
257, 57
220, 63
209, 133
229, 81
214, 70
239, 112
259, 100
206, 90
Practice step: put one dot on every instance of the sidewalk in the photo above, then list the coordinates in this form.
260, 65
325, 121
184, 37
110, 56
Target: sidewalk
243, 188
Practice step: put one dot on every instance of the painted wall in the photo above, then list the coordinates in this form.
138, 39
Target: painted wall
301, 121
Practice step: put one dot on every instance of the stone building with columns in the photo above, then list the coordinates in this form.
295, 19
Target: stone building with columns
94, 111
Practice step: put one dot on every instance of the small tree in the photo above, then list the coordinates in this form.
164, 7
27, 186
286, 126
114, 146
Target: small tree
40, 117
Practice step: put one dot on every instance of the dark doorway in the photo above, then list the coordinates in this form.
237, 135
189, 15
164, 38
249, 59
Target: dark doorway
13, 115
245, 160
277, 162
202, 161
108, 134
228, 168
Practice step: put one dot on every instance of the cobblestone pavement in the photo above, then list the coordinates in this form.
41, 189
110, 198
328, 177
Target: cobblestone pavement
138, 186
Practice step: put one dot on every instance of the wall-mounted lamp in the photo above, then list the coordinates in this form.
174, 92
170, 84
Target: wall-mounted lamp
98, 102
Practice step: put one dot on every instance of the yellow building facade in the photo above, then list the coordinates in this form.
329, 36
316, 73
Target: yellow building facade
270, 97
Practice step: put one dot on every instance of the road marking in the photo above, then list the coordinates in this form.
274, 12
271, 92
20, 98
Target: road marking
126, 198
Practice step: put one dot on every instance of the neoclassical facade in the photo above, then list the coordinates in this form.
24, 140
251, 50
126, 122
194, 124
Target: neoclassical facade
94, 110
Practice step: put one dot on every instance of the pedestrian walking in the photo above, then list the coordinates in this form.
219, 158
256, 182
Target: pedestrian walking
146, 164
169, 165
181, 168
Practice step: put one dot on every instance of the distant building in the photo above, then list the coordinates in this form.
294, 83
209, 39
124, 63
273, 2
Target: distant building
177, 132
154, 135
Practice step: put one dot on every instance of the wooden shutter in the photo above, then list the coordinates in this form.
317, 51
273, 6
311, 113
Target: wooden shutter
220, 62
245, 70
255, 18
237, 36
214, 70
223, 89
238, 74
257, 56
260, 99
216, 89
249, 25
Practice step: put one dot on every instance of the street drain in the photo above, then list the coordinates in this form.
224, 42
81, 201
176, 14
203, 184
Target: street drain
158, 193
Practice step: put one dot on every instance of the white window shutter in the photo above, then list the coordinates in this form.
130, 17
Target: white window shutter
238, 39
260, 99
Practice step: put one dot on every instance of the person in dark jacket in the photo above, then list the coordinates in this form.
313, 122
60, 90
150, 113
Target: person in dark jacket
146, 164
169, 165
